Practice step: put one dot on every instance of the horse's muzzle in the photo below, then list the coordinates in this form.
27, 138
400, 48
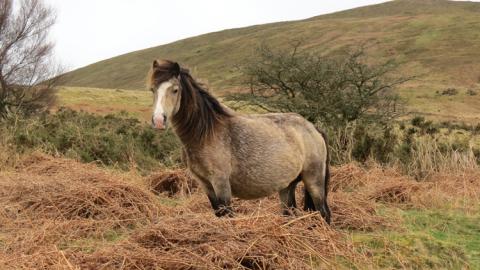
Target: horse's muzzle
159, 122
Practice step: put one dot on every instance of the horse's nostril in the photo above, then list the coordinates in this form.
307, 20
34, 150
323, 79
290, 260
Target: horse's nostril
164, 118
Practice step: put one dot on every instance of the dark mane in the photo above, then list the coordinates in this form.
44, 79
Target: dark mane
199, 114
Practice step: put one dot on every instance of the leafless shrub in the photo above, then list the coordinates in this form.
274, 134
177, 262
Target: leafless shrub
27, 69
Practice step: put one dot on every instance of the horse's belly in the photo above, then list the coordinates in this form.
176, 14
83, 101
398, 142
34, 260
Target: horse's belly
265, 158
255, 185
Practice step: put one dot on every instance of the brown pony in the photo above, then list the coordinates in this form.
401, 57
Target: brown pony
233, 154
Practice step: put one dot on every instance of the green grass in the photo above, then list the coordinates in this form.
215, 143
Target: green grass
115, 140
432, 239
452, 228
104, 101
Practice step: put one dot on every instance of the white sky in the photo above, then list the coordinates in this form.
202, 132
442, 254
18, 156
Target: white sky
88, 31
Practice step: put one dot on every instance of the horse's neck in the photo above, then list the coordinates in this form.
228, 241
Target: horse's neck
198, 147
192, 152
188, 144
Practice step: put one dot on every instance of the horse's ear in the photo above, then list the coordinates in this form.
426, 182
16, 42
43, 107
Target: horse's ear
176, 69
155, 64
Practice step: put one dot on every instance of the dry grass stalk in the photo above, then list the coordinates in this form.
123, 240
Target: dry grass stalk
347, 177
59, 214
196, 241
172, 183
459, 190
398, 192
353, 212
64, 189
428, 159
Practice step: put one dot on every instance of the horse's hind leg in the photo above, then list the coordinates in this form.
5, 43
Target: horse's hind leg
315, 179
308, 201
287, 197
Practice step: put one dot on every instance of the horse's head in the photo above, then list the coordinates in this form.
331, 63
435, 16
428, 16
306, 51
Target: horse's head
164, 82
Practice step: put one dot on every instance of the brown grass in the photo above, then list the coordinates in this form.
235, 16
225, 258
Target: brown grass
197, 241
395, 192
59, 214
349, 176
460, 190
62, 189
172, 183
354, 212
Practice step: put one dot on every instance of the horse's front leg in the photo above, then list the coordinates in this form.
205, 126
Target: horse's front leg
208, 188
219, 193
223, 196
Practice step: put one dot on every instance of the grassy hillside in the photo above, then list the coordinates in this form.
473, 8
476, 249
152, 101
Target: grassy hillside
440, 38
437, 39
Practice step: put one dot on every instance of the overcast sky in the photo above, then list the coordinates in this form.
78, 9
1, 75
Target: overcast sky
91, 30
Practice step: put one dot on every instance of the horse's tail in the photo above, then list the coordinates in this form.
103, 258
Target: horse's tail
327, 174
327, 162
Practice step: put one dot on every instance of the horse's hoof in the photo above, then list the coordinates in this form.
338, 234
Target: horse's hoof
291, 212
224, 212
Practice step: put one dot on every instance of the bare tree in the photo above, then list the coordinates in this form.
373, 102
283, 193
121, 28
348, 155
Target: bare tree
27, 68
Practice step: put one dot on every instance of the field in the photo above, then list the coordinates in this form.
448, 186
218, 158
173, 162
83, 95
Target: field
59, 214
105, 101
90, 185
459, 108
422, 99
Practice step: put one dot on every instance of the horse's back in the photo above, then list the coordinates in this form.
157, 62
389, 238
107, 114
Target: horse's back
305, 133
292, 125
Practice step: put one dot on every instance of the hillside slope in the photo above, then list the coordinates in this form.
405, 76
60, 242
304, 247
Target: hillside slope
437, 39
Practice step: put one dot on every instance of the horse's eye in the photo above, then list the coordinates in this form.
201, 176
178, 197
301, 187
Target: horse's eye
175, 91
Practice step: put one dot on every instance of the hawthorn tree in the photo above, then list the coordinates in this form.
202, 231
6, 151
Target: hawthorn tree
332, 90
